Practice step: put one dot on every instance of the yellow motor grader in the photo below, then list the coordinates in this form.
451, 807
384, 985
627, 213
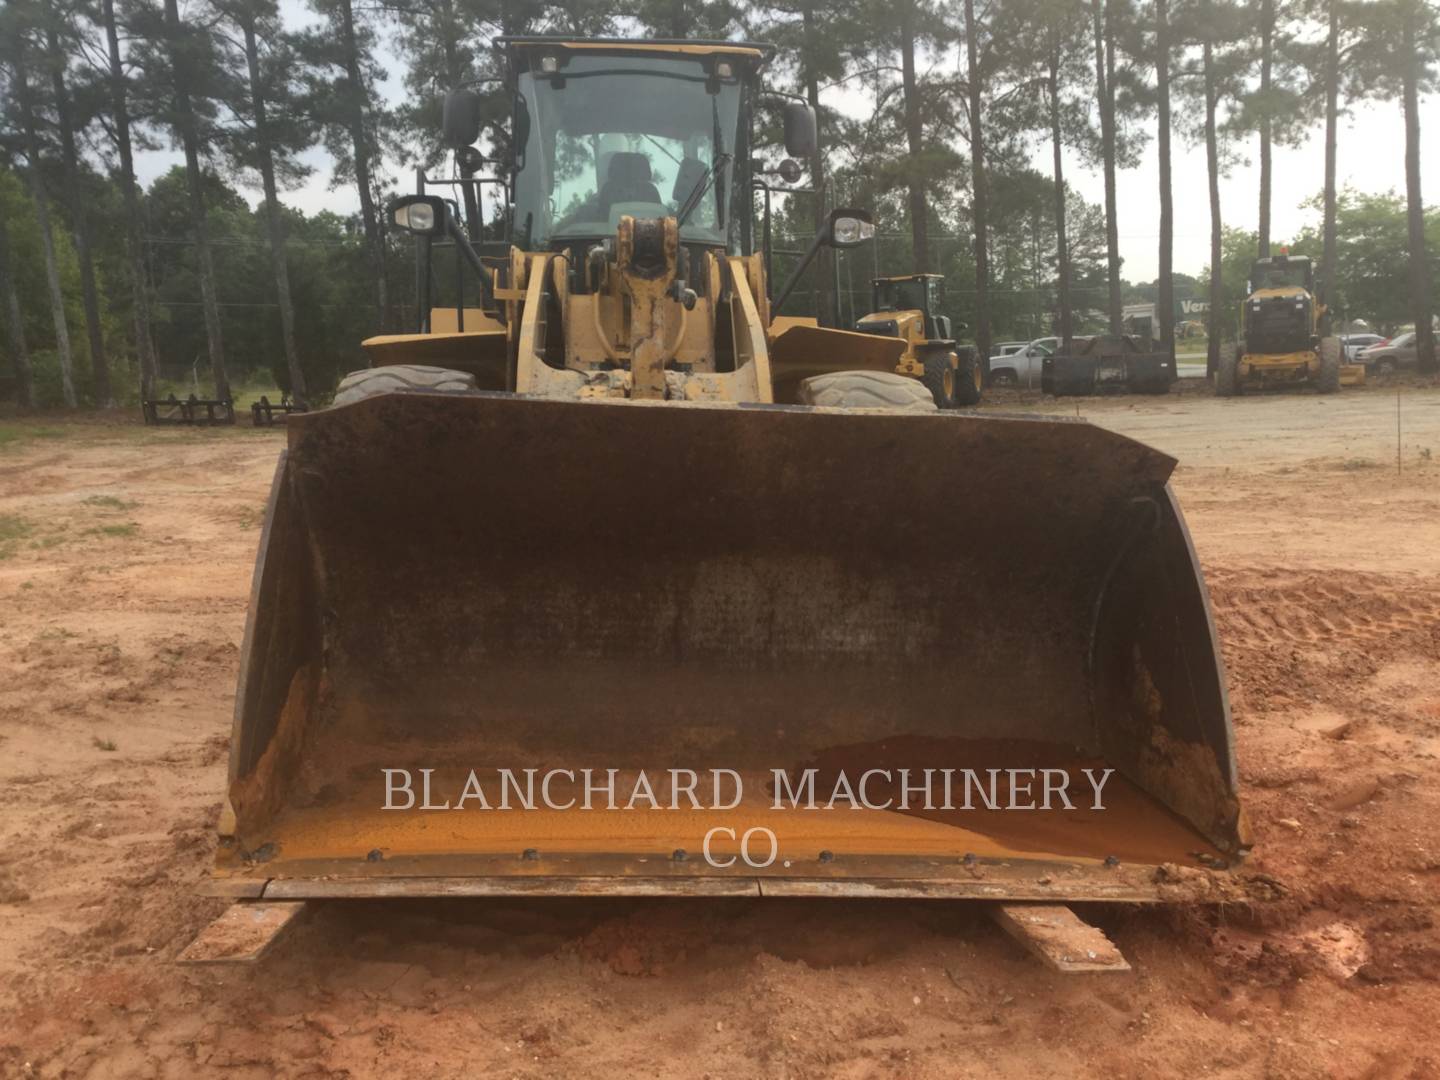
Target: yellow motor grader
580, 587
1281, 346
908, 307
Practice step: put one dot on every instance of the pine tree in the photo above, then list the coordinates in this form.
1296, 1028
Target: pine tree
274, 127
118, 84
354, 119
15, 325
57, 59
979, 194
18, 30
1165, 286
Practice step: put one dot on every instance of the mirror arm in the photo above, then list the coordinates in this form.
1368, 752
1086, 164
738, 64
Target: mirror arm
488, 303
794, 279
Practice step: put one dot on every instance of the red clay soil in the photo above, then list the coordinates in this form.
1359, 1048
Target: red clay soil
125, 560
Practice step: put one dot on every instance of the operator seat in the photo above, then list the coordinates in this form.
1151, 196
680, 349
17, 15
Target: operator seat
627, 179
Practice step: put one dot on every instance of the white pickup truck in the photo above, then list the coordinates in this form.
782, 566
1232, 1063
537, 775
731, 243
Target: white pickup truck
1022, 368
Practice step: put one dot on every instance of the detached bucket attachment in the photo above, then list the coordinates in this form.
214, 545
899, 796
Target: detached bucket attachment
486, 582
1107, 363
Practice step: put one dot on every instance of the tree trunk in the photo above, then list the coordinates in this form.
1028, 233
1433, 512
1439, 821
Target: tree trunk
15, 326
134, 228
1062, 249
195, 178
1212, 166
914, 138
979, 195
47, 233
80, 220
1105, 95
273, 223
1165, 291
1420, 304
827, 300
361, 151
1267, 42
1328, 259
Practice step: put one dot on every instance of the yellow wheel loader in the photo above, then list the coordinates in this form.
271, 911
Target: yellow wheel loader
603, 582
1281, 346
908, 307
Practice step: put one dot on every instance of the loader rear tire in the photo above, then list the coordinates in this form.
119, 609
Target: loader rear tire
867, 390
939, 379
1331, 354
399, 379
1227, 375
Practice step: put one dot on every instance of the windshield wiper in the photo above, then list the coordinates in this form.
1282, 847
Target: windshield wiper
702, 185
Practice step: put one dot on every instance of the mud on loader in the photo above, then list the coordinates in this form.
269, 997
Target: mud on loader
907, 307
1280, 345
610, 519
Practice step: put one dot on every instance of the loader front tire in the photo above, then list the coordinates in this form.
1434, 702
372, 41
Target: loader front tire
939, 379
1331, 354
400, 379
867, 390
1227, 375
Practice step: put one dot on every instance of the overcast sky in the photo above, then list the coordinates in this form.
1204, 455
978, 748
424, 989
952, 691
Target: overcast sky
1371, 159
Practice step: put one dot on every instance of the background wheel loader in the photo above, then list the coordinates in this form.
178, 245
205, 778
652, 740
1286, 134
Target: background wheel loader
908, 307
1280, 345
609, 521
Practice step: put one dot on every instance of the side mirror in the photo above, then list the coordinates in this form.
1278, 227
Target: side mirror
460, 118
847, 227
419, 215
844, 227
800, 131
789, 170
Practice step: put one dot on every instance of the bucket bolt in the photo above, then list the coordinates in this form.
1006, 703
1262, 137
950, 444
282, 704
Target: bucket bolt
530, 854
679, 854
827, 856
376, 855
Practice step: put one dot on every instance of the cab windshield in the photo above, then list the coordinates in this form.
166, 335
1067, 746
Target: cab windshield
1290, 275
918, 295
613, 135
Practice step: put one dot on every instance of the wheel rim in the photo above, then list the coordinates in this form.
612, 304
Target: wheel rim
975, 378
949, 383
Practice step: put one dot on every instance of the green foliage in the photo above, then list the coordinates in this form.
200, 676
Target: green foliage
1371, 249
846, 50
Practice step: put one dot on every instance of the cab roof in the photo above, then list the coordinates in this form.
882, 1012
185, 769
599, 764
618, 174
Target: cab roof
748, 50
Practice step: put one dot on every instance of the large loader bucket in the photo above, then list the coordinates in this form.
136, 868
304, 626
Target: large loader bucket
741, 595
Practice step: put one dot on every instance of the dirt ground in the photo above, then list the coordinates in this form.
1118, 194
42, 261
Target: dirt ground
125, 561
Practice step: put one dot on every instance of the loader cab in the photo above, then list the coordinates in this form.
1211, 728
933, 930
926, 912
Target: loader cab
922, 293
1280, 312
606, 129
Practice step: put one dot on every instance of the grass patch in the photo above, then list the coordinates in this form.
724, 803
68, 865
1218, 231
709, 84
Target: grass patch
110, 502
1355, 463
18, 433
104, 744
130, 528
13, 529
